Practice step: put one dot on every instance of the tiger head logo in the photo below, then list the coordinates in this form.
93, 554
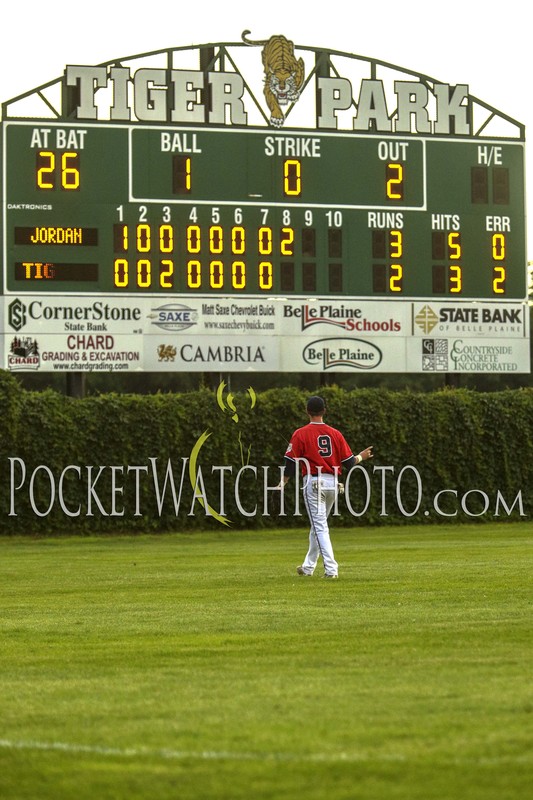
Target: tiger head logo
284, 74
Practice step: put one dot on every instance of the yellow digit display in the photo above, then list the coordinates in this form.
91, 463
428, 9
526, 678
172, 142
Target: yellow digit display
266, 273
166, 274
68, 166
216, 274
216, 239
238, 275
121, 273
265, 241
166, 238
144, 238
238, 240
144, 273
181, 174
394, 178
454, 245
387, 246
396, 244
456, 279
292, 177
194, 239
396, 276
187, 171
70, 173
287, 241
498, 280
498, 246
194, 274
499, 253
46, 167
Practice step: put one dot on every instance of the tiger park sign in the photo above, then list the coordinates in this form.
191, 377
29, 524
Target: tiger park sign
217, 97
260, 206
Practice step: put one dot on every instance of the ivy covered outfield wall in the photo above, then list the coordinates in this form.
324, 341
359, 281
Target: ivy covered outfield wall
202, 460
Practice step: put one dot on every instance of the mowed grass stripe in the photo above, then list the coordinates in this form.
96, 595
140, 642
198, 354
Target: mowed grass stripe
210, 755
418, 656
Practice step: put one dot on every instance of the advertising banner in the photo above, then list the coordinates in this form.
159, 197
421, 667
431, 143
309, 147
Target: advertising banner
254, 334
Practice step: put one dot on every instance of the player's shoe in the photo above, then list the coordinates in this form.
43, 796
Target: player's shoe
301, 571
326, 575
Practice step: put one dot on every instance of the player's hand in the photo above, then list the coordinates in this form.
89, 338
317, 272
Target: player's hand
367, 453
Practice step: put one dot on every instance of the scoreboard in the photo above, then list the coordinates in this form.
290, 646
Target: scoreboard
121, 209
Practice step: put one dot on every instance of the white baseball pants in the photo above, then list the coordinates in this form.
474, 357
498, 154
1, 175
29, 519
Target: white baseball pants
320, 493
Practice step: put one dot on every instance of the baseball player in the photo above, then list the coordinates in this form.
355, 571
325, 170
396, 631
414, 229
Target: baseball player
322, 453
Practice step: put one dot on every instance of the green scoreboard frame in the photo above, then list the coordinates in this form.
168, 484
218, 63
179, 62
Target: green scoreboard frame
130, 209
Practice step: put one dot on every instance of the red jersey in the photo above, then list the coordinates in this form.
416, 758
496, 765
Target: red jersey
323, 446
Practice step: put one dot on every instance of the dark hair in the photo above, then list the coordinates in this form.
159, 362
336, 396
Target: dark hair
315, 405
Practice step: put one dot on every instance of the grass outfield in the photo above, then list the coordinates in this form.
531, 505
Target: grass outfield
201, 666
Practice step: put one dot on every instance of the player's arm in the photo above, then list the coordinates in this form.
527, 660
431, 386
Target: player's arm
352, 460
290, 468
290, 460
289, 471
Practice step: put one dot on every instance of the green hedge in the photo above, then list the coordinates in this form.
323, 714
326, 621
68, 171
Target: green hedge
97, 464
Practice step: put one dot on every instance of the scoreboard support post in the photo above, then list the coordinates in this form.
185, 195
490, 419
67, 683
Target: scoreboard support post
76, 384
